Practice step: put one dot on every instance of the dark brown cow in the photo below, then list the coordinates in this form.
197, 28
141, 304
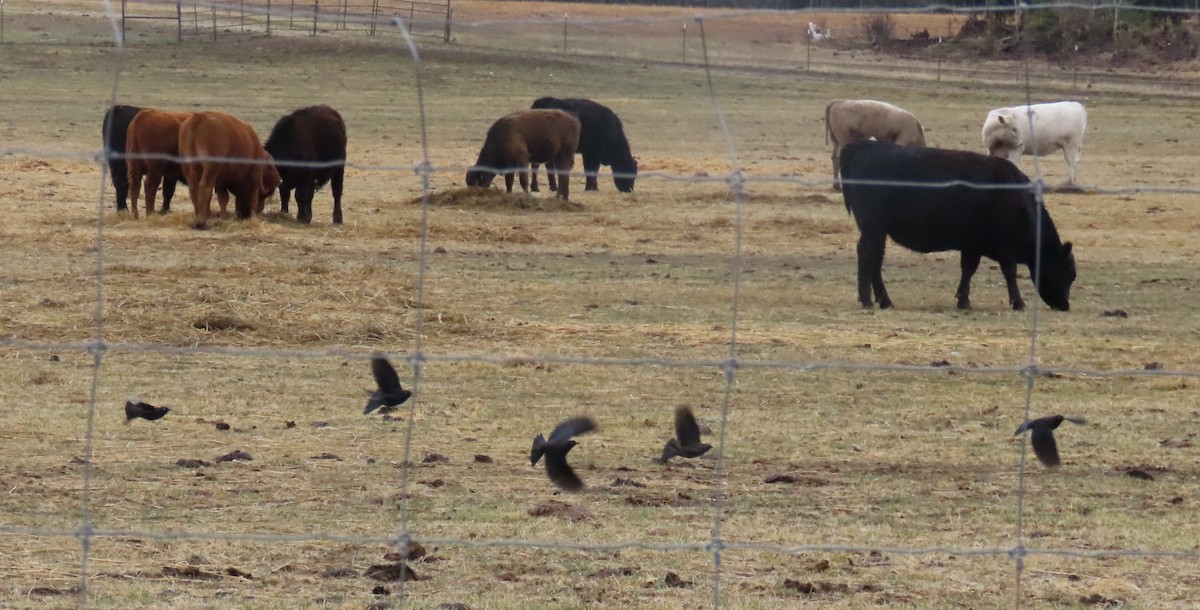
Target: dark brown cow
516, 140
222, 153
156, 133
313, 135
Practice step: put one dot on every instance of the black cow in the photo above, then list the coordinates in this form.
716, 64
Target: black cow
999, 223
112, 137
312, 135
601, 142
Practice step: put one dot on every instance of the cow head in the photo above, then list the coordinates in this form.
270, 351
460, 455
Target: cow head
269, 179
1057, 275
624, 174
480, 177
1004, 138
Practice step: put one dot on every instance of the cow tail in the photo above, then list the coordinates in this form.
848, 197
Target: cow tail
827, 121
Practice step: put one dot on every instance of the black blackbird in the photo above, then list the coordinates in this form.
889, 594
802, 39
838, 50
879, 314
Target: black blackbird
687, 437
556, 450
136, 409
389, 393
1042, 436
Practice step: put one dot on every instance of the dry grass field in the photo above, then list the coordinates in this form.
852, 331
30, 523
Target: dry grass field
618, 306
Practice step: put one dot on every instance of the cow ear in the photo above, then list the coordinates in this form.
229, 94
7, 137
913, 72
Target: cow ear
1000, 117
1066, 249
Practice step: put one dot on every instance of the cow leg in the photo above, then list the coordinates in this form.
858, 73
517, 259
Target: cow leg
168, 193
870, 270
335, 184
523, 176
285, 196
304, 199
508, 180
1009, 269
201, 183
552, 177
591, 168
135, 185
1071, 156
153, 179
223, 202
563, 169
533, 185
120, 180
969, 263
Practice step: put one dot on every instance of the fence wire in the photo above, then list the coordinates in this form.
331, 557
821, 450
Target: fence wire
416, 358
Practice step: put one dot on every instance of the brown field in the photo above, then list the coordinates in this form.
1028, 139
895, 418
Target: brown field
526, 311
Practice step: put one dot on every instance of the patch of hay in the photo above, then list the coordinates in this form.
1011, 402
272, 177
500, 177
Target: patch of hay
499, 200
216, 323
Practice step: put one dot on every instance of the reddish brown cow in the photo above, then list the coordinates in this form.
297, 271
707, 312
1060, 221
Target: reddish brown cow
152, 132
222, 153
516, 140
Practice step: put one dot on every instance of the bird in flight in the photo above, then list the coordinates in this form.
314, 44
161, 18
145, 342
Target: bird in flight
1042, 436
556, 449
136, 408
686, 442
390, 393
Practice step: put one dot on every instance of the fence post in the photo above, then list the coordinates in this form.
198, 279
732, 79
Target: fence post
446, 38
268, 18
123, 36
292, 16
412, 13
374, 16
564, 34
808, 52
685, 42
214, 22
316, 7
178, 21
241, 15
1, 21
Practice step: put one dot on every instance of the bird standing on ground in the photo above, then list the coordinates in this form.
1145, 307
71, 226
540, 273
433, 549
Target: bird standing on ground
556, 449
1042, 436
686, 442
390, 393
136, 408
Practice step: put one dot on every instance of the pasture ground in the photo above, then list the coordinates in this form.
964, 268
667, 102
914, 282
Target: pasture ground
879, 459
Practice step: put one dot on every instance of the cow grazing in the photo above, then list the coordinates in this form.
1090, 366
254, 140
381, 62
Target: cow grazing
849, 121
154, 133
999, 223
222, 153
528, 136
112, 136
1058, 125
601, 142
314, 135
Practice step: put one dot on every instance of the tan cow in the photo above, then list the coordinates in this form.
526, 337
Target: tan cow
154, 133
528, 136
222, 153
849, 121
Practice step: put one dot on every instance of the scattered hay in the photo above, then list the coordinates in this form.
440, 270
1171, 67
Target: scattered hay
499, 200
218, 323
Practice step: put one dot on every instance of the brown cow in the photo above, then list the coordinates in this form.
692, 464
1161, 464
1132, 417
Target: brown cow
221, 152
152, 132
849, 121
528, 136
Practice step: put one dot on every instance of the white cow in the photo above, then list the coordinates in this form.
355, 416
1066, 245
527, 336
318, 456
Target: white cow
1059, 125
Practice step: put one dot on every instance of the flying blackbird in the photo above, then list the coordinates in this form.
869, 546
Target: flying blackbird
135, 409
1042, 436
389, 393
556, 450
687, 437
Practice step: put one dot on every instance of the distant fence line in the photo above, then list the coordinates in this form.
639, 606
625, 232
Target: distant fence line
428, 18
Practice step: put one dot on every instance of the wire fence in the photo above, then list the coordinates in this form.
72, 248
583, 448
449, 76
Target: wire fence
355, 18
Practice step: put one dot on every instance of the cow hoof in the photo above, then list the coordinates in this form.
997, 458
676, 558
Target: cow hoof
885, 305
964, 304
1018, 307
591, 188
200, 227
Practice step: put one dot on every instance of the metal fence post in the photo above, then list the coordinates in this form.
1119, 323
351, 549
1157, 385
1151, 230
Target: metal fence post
446, 37
268, 18
214, 22
316, 8
374, 16
1, 21
178, 21
564, 34
123, 36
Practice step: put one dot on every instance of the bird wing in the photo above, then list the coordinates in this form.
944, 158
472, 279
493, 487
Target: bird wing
385, 376
669, 451
1075, 419
560, 471
539, 448
373, 402
570, 428
1044, 446
131, 411
687, 431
